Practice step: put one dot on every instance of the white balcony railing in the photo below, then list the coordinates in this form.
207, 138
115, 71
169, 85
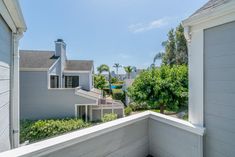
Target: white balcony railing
134, 136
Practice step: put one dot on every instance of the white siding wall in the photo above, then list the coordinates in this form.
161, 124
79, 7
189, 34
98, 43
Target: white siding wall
85, 79
220, 90
129, 141
168, 141
5, 65
39, 102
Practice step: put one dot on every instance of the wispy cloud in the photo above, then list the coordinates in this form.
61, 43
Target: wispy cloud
123, 56
143, 27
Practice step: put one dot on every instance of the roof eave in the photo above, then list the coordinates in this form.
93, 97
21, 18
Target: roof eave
13, 7
210, 14
34, 69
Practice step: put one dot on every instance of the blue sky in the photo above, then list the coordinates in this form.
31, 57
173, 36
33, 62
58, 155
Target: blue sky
129, 32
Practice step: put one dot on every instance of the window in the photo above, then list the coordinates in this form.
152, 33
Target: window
54, 80
71, 81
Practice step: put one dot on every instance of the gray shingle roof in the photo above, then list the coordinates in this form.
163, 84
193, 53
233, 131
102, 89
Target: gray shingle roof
36, 59
211, 4
78, 65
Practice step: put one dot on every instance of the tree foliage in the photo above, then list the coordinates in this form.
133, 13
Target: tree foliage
105, 68
114, 80
181, 46
176, 50
164, 88
100, 81
41, 129
128, 70
117, 66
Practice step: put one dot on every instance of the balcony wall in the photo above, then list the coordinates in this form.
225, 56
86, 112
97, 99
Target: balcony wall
133, 136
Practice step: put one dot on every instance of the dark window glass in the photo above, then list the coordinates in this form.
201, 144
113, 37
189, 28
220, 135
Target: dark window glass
71, 81
54, 80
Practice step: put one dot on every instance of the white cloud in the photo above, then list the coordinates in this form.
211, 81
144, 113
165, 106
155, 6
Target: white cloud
143, 27
123, 56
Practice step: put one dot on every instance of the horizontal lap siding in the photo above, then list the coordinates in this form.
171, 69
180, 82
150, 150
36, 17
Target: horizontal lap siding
169, 141
220, 91
128, 141
5, 61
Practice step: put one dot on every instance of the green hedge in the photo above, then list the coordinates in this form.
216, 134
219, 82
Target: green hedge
128, 110
37, 130
118, 94
109, 117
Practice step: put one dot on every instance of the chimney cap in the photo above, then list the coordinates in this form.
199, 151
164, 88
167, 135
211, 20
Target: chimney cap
60, 40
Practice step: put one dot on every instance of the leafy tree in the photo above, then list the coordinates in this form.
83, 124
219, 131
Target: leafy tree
170, 48
117, 66
128, 70
176, 51
99, 81
105, 68
114, 80
164, 88
181, 46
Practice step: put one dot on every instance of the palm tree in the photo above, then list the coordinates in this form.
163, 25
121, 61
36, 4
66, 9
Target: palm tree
117, 66
158, 56
128, 70
105, 68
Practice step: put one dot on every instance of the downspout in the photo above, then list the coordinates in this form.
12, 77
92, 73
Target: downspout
15, 96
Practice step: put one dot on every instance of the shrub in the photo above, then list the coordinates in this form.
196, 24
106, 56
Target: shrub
118, 94
109, 117
139, 106
41, 129
100, 81
114, 80
128, 111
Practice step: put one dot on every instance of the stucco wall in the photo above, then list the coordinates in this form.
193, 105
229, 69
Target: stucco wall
39, 102
129, 141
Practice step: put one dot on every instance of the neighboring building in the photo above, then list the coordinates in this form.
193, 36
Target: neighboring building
134, 73
51, 86
113, 74
12, 26
211, 39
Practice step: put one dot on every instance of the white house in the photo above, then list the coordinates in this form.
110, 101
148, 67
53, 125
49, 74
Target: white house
12, 26
51, 86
